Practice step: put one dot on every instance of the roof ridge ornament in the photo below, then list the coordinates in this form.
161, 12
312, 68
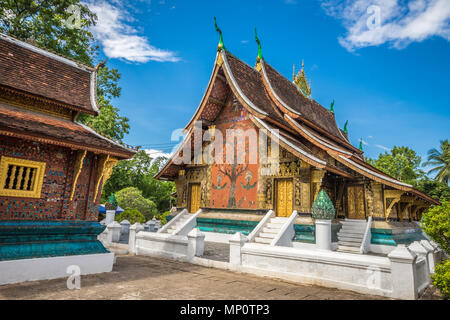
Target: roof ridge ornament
221, 45
301, 82
332, 107
346, 127
260, 56
361, 144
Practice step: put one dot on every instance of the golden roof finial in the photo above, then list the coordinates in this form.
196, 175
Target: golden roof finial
293, 72
301, 82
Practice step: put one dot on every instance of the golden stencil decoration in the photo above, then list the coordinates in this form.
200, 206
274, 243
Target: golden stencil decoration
81, 154
105, 166
24, 169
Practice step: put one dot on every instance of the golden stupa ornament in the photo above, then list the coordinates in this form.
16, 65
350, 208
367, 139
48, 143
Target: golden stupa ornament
301, 82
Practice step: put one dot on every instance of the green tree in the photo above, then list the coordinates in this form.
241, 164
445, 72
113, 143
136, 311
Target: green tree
132, 215
440, 160
401, 163
158, 191
132, 198
436, 224
441, 278
139, 172
62, 26
435, 189
44, 23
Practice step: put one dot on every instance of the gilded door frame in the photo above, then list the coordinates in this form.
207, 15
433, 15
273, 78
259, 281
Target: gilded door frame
190, 194
275, 191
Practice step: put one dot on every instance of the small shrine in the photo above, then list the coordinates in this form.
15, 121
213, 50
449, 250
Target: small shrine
52, 168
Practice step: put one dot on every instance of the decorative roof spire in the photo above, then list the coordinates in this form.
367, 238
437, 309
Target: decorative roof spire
221, 45
260, 56
360, 144
332, 107
346, 127
301, 82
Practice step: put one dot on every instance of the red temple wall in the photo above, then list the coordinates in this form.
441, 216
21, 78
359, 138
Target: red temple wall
54, 203
245, 183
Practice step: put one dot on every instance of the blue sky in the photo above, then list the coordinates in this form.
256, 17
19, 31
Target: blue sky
390, 81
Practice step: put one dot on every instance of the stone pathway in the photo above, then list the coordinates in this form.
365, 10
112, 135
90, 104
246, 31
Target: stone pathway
139, 277
217, 251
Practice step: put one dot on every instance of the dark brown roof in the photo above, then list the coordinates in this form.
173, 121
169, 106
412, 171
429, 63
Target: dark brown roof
309, 109
252, 86
35, 71
54, 130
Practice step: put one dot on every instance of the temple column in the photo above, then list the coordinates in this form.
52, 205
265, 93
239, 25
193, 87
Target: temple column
305, 187
316, 182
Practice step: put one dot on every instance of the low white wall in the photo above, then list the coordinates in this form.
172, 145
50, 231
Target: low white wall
161, 244
217, 237
170, 246
361, 273
15, 271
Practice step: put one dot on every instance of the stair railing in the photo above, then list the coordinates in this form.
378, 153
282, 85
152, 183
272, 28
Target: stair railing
365, 244
251, 237
171, 222
286, 233
188, 225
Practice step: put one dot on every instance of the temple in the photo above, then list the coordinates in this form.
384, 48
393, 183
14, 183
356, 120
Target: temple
314, 154
52, 167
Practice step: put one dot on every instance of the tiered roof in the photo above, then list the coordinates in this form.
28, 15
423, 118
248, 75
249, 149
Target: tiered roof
274, 102
65, 87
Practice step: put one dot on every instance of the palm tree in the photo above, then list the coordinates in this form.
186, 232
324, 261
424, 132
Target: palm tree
440, 160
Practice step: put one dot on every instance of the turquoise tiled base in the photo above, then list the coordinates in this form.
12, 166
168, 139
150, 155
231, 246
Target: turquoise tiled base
37, 239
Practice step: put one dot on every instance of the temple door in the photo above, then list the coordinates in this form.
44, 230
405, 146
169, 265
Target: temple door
284, 197
356, 208
194, 203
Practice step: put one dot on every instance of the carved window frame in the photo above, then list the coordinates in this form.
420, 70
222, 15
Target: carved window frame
38, 179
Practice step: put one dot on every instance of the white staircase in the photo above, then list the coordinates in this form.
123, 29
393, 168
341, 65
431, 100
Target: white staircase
351, 235
180, 222
270, 230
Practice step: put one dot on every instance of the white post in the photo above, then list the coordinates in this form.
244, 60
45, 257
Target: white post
134, 229
196, 243
110, 215
114, 232
403, 273
323, 234
433, 255
237, 241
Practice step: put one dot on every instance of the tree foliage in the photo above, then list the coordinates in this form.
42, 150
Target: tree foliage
436, 224
132, 215
132, 198
62, 26
441, 278
139, 172
401, 163
440, 160
44, 23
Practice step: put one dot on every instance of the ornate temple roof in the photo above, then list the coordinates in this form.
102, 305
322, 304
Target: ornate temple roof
36, 126
30, 70
274, 102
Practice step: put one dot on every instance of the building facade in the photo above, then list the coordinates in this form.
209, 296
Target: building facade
312, 154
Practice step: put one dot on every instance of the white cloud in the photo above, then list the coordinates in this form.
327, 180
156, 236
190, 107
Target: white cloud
400, 23
153, 153
119, 39
382, 147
